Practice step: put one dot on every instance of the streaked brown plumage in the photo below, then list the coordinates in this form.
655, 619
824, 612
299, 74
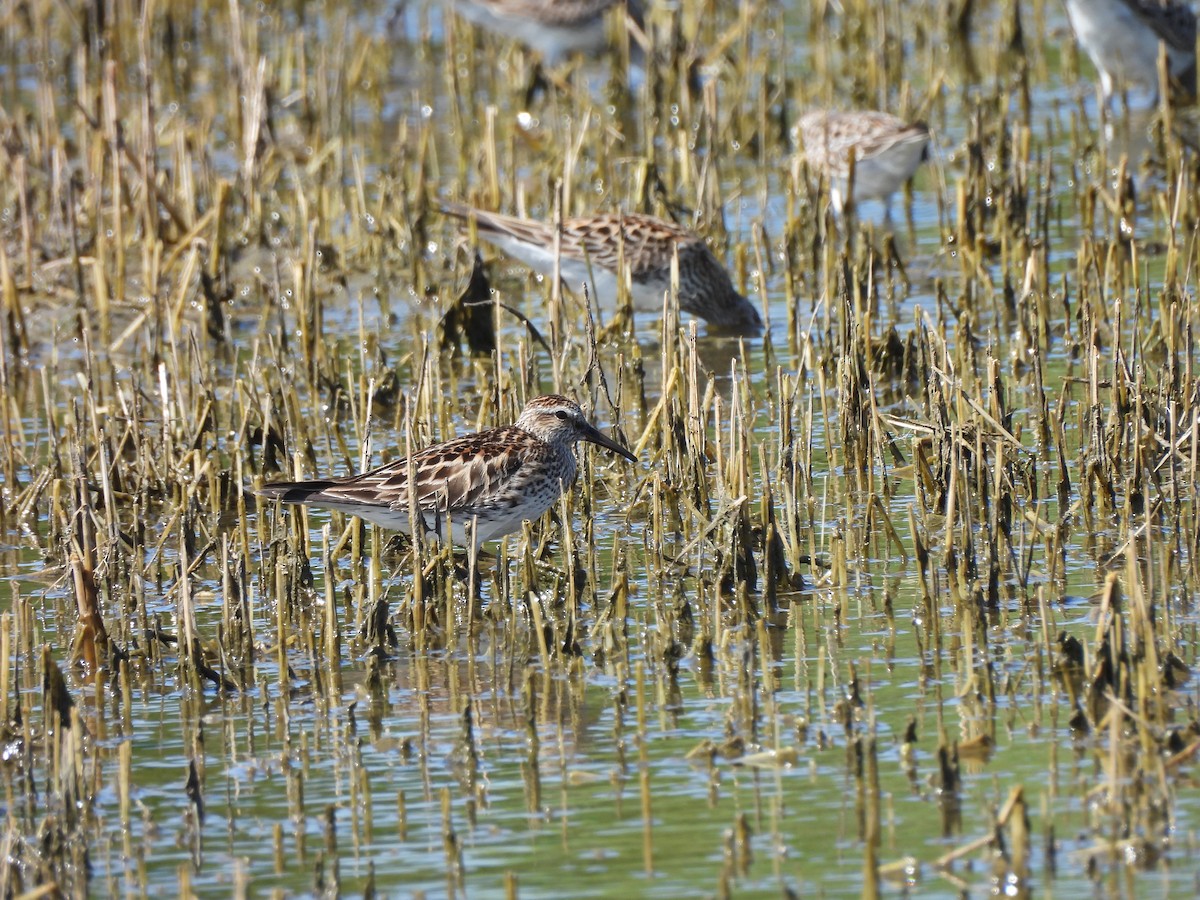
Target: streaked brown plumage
485, 484
592, 248
887, 151
554, 28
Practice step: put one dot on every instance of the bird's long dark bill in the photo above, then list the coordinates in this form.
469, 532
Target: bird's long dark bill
597, 437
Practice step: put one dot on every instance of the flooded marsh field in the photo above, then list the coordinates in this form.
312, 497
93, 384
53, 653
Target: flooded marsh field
898, 596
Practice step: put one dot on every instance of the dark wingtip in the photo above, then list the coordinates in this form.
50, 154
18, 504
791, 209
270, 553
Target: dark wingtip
292, 491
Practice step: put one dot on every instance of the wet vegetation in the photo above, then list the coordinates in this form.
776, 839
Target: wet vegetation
900, 595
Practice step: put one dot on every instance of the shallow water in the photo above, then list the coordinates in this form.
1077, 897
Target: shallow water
474, 760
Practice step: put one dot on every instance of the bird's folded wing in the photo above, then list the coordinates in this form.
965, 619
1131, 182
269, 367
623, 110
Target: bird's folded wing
461, 474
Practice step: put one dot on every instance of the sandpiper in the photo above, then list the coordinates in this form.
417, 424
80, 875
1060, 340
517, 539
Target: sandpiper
1122, 38
591, 248
554, 28
887, 151
480, 486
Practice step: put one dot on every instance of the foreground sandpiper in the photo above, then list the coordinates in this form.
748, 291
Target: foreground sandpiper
1122, 38
886, 149
553, 28
480, 486
593, 246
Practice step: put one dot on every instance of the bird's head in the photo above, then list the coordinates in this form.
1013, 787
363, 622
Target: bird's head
557, 420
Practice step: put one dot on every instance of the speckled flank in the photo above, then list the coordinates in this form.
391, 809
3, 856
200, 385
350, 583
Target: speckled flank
554, 28
886, 149
484, 484
592, 246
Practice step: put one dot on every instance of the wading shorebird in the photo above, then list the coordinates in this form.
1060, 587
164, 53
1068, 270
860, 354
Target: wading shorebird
887, 151
482, 486
1122, 39
553, 28
591, 248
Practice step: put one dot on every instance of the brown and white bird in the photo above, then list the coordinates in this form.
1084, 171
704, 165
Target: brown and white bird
886, 149
591, 251
1122, 38
479, 486
554, 28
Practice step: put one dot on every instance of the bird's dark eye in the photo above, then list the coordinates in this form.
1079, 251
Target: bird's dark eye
561, 414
